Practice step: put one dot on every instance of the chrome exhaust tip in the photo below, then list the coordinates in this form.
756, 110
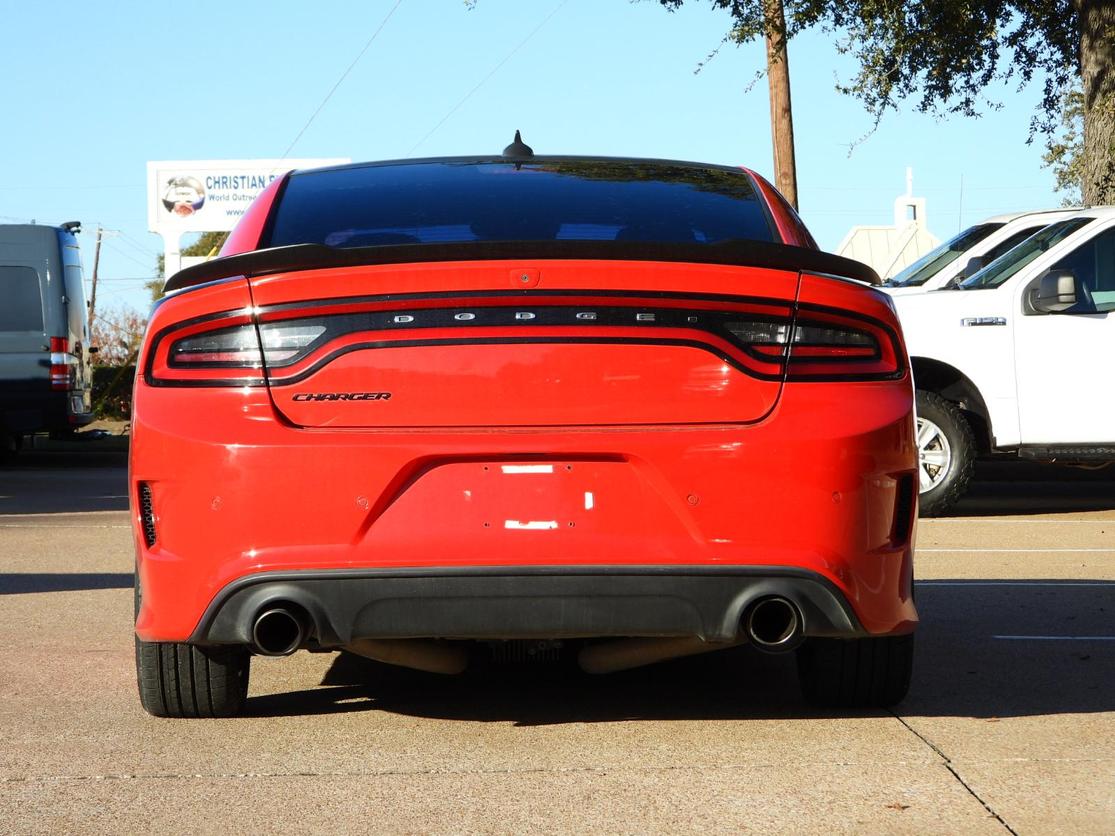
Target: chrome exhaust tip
277, 631
774, 625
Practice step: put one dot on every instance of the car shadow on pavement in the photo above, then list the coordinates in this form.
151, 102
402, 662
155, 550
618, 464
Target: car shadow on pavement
1003, 488
64, 482
25, 583
985, 649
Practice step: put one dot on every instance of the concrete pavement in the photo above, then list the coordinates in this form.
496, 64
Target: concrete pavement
1010, 725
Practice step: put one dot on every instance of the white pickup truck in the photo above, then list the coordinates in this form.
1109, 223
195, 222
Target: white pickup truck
1013, 361
970, 250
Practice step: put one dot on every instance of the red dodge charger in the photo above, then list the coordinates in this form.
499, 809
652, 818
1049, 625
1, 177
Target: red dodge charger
428, 409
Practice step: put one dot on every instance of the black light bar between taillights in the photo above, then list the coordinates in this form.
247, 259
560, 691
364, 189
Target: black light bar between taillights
761, 338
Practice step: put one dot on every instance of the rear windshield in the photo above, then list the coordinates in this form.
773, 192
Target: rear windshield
453, 202
21, 303
934, 261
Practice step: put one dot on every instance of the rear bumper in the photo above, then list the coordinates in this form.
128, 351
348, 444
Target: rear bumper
545, 602
25, 413
395, 533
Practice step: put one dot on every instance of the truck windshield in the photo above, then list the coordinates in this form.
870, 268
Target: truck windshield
936, 260
450, 201
1002, 268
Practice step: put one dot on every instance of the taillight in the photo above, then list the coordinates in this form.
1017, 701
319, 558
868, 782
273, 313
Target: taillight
63, 374
835, 346
760, 338
285, 341
239, 347
228, 347
821, 346
215, 351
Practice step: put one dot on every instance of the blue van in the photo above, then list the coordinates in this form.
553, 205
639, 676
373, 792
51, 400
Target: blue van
45, 373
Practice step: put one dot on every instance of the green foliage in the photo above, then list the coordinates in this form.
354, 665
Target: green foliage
713, 180
1064, 149
117, 331
207, 243
112, 391
941, 54
155, 286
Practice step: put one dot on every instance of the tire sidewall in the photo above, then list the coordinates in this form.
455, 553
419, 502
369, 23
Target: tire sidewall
950, 420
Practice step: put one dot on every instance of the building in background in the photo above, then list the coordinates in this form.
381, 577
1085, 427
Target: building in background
888, 249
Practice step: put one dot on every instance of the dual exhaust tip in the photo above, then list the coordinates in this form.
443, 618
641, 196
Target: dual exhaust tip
772, 624
278, 631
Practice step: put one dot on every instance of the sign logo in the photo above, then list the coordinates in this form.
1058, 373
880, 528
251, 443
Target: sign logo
183, 196
210, 195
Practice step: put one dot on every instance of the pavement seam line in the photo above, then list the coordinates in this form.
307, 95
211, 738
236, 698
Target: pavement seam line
140, 776
394, 773
947, 763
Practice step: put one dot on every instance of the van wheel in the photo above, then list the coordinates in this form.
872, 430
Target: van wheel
946, 453
856, 673
182, 680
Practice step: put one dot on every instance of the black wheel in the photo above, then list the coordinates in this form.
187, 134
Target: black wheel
182, 680
946, 454
856, 673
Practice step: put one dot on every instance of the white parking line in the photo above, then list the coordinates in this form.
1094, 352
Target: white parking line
1018, 551
1057, 638
1016, 583
60, 525
981, 520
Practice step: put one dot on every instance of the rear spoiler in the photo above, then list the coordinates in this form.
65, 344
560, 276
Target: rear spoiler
318, 256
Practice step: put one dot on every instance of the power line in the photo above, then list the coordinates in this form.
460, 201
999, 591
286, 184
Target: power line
126, 255
72, 187
133, 279
484, 80
128, 239
344, 75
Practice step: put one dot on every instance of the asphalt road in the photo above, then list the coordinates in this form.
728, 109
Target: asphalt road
1010, 725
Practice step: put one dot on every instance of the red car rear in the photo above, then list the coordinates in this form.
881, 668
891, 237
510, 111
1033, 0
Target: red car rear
421, 408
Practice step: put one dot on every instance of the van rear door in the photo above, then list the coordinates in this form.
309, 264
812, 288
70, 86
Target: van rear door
24, 346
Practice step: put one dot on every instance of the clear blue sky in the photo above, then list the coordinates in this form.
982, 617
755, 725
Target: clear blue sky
91, 92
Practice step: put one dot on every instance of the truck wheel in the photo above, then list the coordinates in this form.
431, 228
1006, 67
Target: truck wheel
856, 673
182, 680
946, 453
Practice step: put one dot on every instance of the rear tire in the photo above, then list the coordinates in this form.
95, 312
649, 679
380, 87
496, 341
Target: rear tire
856, 673
946, 454
181, 680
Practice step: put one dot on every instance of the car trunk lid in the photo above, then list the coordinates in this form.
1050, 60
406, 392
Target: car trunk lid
524, 344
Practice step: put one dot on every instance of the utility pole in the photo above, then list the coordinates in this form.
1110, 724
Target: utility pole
781, 115
93, 291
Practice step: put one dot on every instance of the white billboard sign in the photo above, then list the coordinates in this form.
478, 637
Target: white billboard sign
208, 195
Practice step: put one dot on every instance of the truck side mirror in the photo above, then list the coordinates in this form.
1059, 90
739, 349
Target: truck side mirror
974, 265
1057, 291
